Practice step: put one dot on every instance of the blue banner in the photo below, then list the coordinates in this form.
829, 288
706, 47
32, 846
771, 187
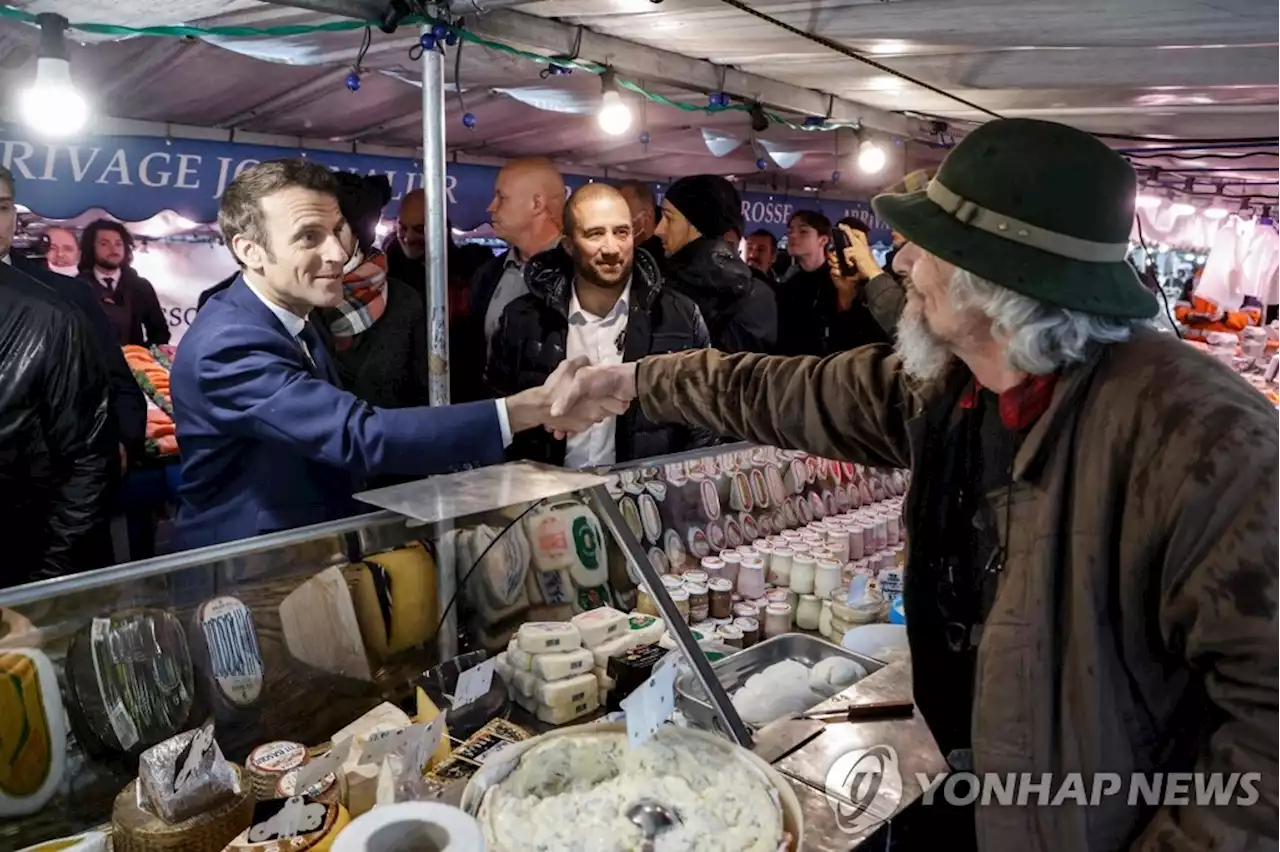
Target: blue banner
135, 177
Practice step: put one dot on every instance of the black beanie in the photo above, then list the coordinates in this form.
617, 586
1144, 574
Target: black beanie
709, 202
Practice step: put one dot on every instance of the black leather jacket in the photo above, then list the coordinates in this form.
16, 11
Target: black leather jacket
55, 445
533, 334
740, 310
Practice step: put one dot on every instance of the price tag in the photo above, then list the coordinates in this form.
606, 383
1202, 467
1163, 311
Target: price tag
280, 819
474, 683
313, 771
424, 746
650, 706
188, 763
857, 590
382, 743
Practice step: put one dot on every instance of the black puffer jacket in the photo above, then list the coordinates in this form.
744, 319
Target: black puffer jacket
740, 310
533, 333
55, 445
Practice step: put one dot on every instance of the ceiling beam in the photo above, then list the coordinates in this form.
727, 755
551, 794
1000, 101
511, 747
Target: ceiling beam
636, 61
291, 97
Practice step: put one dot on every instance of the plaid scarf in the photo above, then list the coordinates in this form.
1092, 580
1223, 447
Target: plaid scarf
365, 302
1021, 405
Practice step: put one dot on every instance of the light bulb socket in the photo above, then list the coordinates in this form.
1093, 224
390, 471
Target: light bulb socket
53, 41
609, 81
759, 121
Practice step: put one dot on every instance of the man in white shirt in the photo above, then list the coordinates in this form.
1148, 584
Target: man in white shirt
269, 439
594, 298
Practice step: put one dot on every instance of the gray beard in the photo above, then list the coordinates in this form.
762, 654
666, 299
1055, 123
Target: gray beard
925, 356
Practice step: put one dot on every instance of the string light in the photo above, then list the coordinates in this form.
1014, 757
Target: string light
52, 105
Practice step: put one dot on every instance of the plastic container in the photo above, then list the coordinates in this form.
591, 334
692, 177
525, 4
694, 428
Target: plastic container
826, 579
803, 568
777, 620
808, 612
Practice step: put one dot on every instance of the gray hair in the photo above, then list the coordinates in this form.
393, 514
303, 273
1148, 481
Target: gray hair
1038, 338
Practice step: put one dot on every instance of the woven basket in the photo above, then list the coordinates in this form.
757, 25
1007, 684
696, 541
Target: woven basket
135, 830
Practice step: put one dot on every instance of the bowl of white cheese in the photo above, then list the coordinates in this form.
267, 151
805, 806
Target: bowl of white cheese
570, 790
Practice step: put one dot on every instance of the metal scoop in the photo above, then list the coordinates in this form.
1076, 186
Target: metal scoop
653, 818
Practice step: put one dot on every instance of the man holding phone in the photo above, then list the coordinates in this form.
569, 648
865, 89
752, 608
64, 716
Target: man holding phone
869, 299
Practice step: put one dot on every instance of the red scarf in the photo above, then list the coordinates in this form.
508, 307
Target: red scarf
1022, 404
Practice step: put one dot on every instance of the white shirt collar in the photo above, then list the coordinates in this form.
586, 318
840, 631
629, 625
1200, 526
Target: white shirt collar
292, 322
579, 316
6, 260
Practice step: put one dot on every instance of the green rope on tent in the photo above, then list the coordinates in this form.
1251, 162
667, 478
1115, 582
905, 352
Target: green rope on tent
182, 31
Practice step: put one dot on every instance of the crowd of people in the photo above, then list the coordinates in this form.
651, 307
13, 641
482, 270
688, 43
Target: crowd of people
604, 274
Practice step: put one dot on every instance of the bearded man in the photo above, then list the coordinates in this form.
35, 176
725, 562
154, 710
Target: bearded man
1091, 579
594, 297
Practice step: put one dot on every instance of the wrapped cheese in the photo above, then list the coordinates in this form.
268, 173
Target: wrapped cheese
562, 665
543, 637
598, 625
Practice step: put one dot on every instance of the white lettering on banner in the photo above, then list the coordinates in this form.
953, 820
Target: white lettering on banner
144, 167
766, 212
50, 160
119, 163
78, 171
185, 171
18, 162
449, 183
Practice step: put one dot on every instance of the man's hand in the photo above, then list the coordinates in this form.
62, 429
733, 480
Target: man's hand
857, 254
533, 407
594, 394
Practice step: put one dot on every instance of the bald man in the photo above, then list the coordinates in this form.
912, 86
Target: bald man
594, 297
527, 212
644, 217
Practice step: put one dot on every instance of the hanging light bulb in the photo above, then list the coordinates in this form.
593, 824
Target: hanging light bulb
614, 117
1147, 201
1181, 208
52, 105
1216, 212
871, 158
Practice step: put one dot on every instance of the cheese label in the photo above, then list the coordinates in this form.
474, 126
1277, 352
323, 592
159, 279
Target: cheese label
631, 514
26, 752
277, 757
473, 684
234, 655
586, 541
551, 539
313, 773
650, 706
596, 596
556, 586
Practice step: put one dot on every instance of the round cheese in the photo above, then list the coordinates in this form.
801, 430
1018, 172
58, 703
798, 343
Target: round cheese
130, 681
335, 820
395, 599
136, 830
268, 762
33, 732
327, 789
650, 518
226, 655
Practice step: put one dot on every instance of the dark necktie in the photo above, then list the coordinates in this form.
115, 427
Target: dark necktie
313, 350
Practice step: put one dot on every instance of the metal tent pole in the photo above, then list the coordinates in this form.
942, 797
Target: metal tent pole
437, 216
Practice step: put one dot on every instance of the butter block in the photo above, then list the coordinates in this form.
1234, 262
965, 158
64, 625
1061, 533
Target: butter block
596, 626
562, 665
543, 637
571, 690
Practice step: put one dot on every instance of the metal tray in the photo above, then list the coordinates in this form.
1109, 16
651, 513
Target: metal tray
732, 672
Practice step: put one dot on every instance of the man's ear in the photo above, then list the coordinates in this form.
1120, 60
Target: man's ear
249, 253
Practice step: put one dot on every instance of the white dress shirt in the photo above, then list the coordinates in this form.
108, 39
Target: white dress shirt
600, 339
294, 324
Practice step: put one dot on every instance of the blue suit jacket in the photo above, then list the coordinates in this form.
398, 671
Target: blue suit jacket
268, 443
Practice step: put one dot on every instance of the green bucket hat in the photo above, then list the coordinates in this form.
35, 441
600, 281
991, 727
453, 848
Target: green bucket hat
1038, 207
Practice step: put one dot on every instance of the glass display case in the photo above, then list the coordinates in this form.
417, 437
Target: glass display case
287, 641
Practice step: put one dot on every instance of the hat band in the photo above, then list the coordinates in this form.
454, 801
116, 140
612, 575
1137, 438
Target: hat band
1018, 231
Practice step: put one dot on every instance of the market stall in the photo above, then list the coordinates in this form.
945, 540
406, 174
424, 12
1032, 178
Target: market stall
310, 648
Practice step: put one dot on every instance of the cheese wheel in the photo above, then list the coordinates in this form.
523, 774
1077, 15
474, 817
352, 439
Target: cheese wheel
136, 830
267, 763
130, 682
631, 514
542, 637
33, 732
650, 518
597, 625
90, 841
336, 819
328, 789
321, 628
394, 595
227, 657
645, 629
570, 690
561, 665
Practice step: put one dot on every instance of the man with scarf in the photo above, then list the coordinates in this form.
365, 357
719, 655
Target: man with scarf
1090, 587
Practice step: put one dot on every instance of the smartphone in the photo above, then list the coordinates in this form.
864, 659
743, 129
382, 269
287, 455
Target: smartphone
840, 247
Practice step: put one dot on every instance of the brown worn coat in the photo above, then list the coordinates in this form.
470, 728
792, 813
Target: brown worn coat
1135, 628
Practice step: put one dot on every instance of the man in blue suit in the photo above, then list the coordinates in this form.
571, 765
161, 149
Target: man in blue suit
269, 440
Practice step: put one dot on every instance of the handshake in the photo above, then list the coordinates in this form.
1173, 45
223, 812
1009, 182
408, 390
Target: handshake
574, 398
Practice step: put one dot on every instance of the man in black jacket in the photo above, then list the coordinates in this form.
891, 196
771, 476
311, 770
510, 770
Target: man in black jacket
128, 299
602, 299
740, 311
56, 449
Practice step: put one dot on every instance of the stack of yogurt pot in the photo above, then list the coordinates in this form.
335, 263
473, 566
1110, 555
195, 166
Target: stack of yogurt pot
799, 577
